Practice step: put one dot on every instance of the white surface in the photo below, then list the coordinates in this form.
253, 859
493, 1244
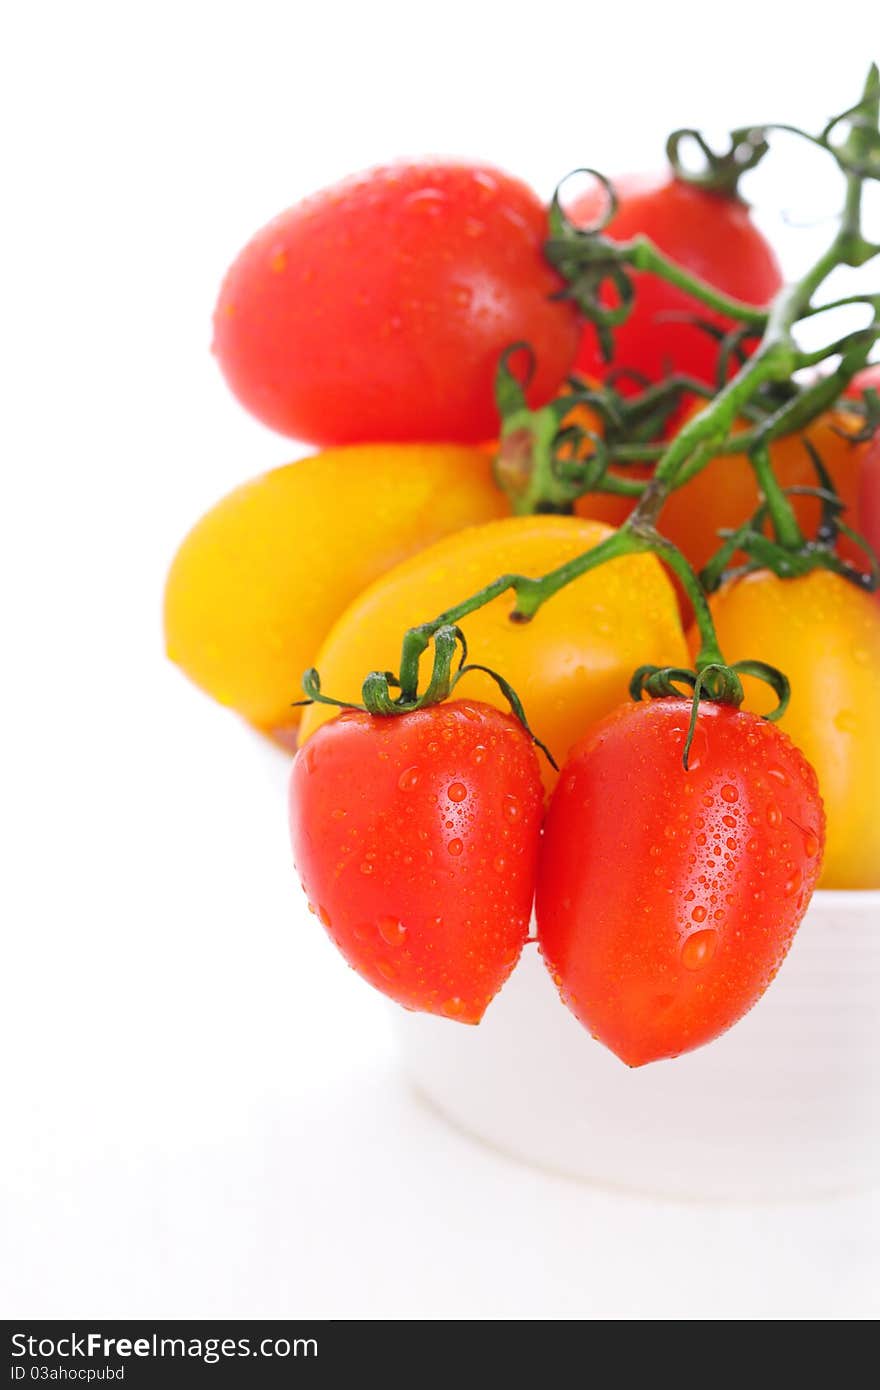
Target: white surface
784, 1105
201, 1112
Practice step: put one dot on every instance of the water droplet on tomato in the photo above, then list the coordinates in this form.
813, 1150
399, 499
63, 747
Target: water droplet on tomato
324, 915
427, 200
811, 844
457, 791
455, 847
499, 864
454, 1007
778, 775
366, 867
699, 749
699, 949
408, 779
391, 930
511, 807
479, 753
729, 793
699, 913
774, 815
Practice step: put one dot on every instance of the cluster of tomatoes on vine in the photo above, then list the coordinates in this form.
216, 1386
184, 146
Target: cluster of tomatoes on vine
683, 837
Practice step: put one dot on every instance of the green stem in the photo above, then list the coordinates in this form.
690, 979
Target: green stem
642, 254
779, 509
709, 653
707, 433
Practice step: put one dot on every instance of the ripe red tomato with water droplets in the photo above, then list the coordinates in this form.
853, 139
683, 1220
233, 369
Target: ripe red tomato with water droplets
378, 309
667, 899
710, 234
415, 837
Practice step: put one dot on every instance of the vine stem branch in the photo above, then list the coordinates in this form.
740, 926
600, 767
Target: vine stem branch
710, 431
642, 254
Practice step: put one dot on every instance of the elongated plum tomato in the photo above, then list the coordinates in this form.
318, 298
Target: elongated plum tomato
824, 633
725, 494
258, 582
378, 309
709, 234
667, 899
415, 837
570, 665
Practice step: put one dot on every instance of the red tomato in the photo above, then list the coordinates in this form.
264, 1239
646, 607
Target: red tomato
711, 235
416, 837
378, 309
668, 899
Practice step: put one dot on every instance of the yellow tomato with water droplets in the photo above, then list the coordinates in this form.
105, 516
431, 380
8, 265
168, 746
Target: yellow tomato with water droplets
570, 665
258, 582
824, 633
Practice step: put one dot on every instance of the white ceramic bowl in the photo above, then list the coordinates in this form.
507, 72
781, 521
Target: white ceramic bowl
786, 1104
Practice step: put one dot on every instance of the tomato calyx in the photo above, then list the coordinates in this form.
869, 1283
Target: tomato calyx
720, 173
376, 693
712, 681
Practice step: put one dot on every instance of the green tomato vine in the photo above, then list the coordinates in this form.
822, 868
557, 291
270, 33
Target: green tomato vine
544, 463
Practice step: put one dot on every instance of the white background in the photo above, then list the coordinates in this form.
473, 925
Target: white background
202, 1112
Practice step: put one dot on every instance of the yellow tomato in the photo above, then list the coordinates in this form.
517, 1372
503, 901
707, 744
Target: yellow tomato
257, 583
570, 665
825, 635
